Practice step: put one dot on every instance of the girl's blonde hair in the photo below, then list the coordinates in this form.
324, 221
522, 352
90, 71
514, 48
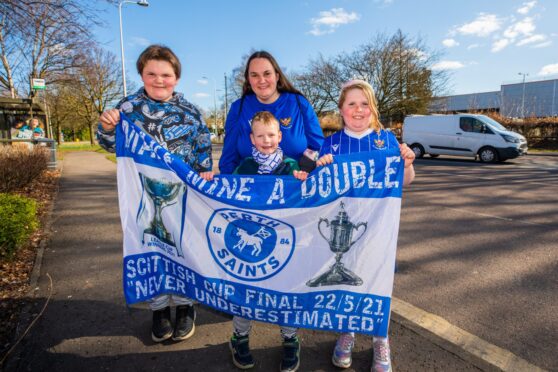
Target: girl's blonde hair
368, 92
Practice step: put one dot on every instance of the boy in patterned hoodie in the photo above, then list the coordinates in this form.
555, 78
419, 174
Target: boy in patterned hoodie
178, 126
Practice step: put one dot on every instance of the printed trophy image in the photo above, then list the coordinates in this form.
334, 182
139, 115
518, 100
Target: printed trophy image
162, 193
340, 241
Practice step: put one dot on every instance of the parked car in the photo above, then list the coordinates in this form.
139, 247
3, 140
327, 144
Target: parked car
462, 135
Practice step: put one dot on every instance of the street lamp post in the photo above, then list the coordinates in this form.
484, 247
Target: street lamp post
523, 94
141, 3
214, 104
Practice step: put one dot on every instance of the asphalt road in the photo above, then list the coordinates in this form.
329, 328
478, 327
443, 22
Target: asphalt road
478, 247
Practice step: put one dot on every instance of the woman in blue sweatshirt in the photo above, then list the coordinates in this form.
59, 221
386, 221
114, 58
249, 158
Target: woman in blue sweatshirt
266, 88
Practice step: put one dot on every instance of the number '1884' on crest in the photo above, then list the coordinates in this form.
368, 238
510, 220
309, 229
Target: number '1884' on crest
249, 246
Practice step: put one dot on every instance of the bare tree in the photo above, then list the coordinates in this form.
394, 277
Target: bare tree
83, 93
41, 39
398, 67
235, 80
321, 83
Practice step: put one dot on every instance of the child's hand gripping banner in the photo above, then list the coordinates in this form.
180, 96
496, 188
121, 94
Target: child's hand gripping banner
314, 254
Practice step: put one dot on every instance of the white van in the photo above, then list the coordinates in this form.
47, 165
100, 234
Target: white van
462, 135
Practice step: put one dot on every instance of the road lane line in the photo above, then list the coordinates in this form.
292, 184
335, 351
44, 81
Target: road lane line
485, 178
497, 217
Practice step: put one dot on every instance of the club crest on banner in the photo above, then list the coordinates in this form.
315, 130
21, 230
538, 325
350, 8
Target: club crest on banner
249, 246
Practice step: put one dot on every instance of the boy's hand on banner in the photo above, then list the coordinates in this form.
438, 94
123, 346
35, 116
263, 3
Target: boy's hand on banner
208, 176
109, 119
300, 175
325, 160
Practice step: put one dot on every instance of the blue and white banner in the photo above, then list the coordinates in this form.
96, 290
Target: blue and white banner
314, 254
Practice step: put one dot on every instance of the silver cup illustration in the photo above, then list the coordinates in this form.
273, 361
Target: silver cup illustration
340, 241
162, 193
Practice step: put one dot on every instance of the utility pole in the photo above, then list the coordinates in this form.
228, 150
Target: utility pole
523, 95
226, 96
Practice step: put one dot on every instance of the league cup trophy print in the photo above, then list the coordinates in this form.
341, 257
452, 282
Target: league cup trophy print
162, 193
340, 241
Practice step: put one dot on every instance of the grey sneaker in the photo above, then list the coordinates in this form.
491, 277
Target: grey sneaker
382, 357
342, 354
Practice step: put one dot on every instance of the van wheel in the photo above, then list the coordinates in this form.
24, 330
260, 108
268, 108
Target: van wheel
488, 155
418, 150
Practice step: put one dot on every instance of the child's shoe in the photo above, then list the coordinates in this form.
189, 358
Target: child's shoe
342, 354
291, 354
161, 329
382, 357
184, 326
240, 349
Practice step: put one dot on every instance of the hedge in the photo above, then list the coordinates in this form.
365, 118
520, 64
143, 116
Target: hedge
21, 165
17, 221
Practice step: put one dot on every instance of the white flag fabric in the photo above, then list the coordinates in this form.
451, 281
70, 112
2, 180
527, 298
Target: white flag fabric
315, 254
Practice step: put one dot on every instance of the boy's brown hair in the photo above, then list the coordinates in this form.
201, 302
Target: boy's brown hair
265, 118
159, 53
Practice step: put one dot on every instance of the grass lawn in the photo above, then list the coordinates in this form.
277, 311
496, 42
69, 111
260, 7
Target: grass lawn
82, 146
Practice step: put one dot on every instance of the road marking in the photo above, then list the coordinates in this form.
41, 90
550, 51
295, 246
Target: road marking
497, 217
476, 177
467, 346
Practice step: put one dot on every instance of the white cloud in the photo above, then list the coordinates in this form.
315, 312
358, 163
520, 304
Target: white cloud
531, 40
482, 26
543, 45
549, 70
141, 41
449, 43
448, 65
523, 27
203, 81
201, 95
498, 45
473, 46
526, 7
330, 20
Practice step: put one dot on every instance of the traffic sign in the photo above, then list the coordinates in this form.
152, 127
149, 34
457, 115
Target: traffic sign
38, 84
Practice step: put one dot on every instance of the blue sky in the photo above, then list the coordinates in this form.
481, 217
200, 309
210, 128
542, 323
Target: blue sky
482, 43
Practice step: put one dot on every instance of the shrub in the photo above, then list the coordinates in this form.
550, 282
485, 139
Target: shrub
21, 165
17, 221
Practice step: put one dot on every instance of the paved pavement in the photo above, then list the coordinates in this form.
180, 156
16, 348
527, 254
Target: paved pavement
87, 326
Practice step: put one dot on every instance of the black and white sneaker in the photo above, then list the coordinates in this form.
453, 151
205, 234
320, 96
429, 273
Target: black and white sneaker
184, 326
161, 329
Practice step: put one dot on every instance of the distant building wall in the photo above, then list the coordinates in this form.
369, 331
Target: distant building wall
540, 99
467, 102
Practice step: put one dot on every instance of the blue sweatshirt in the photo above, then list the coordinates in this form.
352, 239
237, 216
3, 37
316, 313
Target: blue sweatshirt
343, 142
298, 121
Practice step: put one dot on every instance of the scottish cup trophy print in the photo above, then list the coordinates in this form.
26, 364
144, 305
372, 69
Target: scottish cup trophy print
163, 194
340, 241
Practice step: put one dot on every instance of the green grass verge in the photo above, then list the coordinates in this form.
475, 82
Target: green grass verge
534, 151
81, 146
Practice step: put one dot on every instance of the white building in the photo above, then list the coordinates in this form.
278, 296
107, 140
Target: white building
529, 99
